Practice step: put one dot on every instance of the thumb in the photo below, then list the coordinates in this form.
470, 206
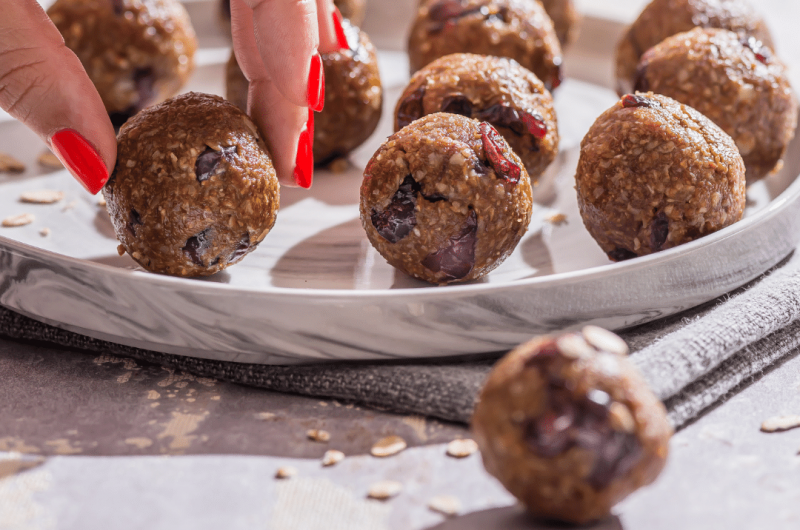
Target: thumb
44, 85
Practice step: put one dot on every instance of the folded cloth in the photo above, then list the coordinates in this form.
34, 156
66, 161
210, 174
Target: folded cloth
692, 361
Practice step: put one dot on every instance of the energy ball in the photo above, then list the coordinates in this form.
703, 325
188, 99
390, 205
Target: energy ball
445, 199
654, 174
517, 29
664, 18
492, 89
569, 427
565, 19
736, 82
353, 96
194, 189
136, 52
352, 10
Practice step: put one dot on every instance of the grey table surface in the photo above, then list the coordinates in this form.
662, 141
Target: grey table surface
96, 442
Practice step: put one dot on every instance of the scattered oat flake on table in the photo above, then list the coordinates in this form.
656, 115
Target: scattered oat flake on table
445, 504
286, 472
391, 445
48, 159
781, 423
42, 196
44, 232
332, 457
10, 164
101, 201
69, 206
18, 220
318, 435
385, 489
557, 219
461, 448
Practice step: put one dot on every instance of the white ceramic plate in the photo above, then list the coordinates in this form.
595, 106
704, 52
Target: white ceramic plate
316, 290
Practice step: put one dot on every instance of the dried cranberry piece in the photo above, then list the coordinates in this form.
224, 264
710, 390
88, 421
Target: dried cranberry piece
457, 104
207, 164
118, 6
630, 101
241, 249
399, 218
493, 145
458, 257
621, 254
134, 220
659, 230
196, 246
410, 108
762, 53
520, 122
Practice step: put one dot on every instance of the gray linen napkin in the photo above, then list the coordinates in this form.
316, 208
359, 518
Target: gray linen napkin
692, 361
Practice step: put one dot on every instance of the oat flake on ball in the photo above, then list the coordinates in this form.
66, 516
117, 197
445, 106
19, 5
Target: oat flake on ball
654, 174
445, 199
194, 189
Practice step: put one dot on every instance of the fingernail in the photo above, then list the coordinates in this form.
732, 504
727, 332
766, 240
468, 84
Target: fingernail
304, 163
341, 38
80, 158
316, 84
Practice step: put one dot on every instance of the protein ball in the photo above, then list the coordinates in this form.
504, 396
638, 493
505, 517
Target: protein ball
492, 89
736, 82
654, 174
445, 199
518, 29
565, 19
194, 189
353, 96
352, 10
136, 52
664, 18
570, 429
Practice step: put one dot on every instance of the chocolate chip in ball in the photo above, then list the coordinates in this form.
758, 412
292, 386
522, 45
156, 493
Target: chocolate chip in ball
134, 220
457, 104
458, 257
399, 218
411, 108
241, 249
196, 246
207, 164
659, 230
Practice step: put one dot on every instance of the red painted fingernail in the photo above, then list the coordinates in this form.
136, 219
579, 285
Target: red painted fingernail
304, 163
80, 158
341, 38
316, 84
